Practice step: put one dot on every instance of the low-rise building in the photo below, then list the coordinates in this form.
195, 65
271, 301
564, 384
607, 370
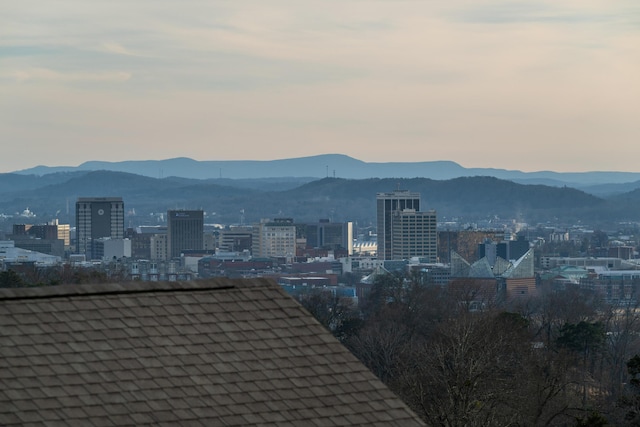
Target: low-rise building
9, 253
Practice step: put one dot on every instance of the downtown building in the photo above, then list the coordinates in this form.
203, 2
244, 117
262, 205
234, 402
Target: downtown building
98, 218
403, 231
235, 239
50, 238
413, 234
274, 239
333, 236
185, 231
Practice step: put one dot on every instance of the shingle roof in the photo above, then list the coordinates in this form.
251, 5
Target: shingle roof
218, 352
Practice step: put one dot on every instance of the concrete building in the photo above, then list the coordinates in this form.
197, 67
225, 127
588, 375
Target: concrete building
622, 252
148, 242
549, 262
209, 241
185, 230
620, 287
439, 274
274, 239
51, 238
98, 217
413, 234
559, 236
153, 271
235, 239
403, 230
50, 231
386, 205
158, 247
140, 243
109, 249
241, 266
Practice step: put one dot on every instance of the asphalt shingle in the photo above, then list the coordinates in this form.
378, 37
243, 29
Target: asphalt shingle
217, 352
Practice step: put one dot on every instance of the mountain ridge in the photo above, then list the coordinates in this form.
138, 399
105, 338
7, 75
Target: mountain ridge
343, 166
463, 199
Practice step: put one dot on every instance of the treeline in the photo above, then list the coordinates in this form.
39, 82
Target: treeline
63, 275
467, 199
563, 358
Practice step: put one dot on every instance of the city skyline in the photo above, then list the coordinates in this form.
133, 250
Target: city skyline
521, 85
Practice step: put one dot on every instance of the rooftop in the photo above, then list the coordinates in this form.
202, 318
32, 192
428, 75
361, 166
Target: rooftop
216, 352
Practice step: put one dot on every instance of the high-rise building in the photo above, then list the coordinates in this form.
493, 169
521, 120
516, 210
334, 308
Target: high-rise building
98, 217
185, 231
386, 205
274, 239
413, 234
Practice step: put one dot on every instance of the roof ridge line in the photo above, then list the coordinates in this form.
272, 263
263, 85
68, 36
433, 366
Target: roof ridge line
72, 294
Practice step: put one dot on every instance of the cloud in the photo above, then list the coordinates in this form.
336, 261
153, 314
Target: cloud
118, 49
44, 74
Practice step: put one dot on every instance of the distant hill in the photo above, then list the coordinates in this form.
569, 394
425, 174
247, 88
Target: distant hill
466, 199
341, 166
609, 190
19, 182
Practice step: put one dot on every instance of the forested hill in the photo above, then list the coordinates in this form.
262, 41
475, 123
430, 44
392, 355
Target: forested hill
482, 191
467, 199
474, 197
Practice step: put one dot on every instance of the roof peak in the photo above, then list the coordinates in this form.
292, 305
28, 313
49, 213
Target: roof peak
68, 291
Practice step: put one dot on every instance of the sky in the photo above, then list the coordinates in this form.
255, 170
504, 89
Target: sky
525, 85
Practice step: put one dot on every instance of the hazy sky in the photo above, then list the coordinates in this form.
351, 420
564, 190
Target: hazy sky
529, 85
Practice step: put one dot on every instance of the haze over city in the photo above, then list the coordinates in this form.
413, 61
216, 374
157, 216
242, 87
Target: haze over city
516, 85
354, 212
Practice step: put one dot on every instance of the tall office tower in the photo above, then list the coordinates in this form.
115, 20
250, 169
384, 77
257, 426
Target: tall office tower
185, 231
386, 205
274, 239
413, 234
98, 217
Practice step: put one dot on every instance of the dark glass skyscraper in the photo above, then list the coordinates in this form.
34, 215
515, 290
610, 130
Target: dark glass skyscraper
185, 231
330, 235
98, 217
